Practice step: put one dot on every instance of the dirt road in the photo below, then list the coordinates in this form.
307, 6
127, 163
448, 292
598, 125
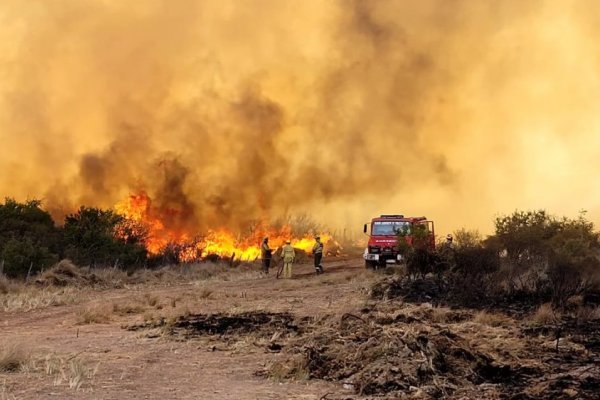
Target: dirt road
86, 345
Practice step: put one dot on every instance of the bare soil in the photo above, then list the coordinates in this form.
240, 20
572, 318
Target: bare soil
144, 364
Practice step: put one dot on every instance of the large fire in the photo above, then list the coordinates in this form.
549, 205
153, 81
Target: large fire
220, 242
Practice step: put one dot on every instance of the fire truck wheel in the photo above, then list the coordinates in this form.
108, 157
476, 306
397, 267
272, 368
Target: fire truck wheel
370, 264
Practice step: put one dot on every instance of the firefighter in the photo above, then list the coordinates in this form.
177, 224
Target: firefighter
449, 244
447, 253
288, 255
265, 253
318, 254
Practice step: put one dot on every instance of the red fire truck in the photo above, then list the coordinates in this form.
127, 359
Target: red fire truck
382, 247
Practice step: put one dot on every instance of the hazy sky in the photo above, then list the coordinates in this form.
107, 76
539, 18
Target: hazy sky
230, 111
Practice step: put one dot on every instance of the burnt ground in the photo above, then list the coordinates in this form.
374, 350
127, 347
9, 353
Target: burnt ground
245, 336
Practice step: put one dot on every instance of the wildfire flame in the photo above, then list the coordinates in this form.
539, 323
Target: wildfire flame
220, 242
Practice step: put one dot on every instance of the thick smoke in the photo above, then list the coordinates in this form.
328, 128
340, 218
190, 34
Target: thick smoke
231, 111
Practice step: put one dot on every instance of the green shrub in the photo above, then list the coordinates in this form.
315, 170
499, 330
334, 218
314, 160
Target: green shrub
28, 237
100, 237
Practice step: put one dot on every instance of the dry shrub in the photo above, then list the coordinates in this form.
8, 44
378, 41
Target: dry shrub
491, 319
586, 314
13, 358
93, 315
123, 309
545, 315
62, 274
65, 273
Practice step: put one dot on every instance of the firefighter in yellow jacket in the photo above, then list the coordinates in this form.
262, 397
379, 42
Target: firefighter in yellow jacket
288, 256
318, 254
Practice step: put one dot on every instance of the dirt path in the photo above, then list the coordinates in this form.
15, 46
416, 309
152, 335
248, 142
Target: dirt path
125, 364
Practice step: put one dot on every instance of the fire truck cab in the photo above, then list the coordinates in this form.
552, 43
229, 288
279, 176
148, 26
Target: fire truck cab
382, 248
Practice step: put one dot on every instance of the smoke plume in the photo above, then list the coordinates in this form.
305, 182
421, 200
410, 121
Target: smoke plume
230, 111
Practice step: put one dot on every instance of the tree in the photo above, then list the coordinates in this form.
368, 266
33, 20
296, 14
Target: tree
548, 256
29, 240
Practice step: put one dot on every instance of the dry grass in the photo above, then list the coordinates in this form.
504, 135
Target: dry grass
6, 285
13, 358
586, 314
151, 299
491, 319
30, 298
128, 308
4, 392
441, 315
199, 272
66, 369
545, 315
111, 277
173, 301
93, 315
66, 284
205, 293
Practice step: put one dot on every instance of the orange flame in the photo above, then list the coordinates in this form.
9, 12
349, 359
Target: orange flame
219, 242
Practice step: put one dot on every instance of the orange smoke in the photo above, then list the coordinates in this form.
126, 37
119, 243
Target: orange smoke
191, 246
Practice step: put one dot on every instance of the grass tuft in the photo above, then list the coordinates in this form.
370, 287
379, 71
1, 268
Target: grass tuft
93, 315
545, 315
490, 319
13, 358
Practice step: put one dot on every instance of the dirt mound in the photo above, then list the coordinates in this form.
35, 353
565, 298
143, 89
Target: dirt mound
65, 273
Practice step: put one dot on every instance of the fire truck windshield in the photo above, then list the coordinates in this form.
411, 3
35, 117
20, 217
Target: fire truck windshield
389, 228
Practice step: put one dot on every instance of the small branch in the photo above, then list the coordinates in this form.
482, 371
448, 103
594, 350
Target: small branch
348, 315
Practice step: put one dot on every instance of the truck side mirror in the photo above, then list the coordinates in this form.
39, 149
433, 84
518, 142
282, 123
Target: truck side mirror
365, 228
